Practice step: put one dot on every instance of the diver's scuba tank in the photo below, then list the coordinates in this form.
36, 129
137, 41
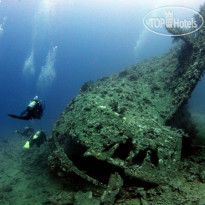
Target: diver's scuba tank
32, 104
34, 137
37, 134
38, 138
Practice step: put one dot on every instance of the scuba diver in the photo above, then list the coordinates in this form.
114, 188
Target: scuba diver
37, 139
33, 111
27, 132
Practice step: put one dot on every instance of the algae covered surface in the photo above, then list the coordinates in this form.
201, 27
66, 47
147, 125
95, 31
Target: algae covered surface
131, 133
121, 121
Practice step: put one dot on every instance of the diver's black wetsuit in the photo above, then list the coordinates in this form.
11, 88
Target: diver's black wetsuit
34, 112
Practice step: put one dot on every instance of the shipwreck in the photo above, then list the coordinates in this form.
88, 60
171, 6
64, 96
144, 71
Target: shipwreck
132, 127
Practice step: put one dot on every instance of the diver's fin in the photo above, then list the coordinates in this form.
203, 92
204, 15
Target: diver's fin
19, 117
13, 116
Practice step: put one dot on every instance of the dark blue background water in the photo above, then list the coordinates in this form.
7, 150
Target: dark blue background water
94, 39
